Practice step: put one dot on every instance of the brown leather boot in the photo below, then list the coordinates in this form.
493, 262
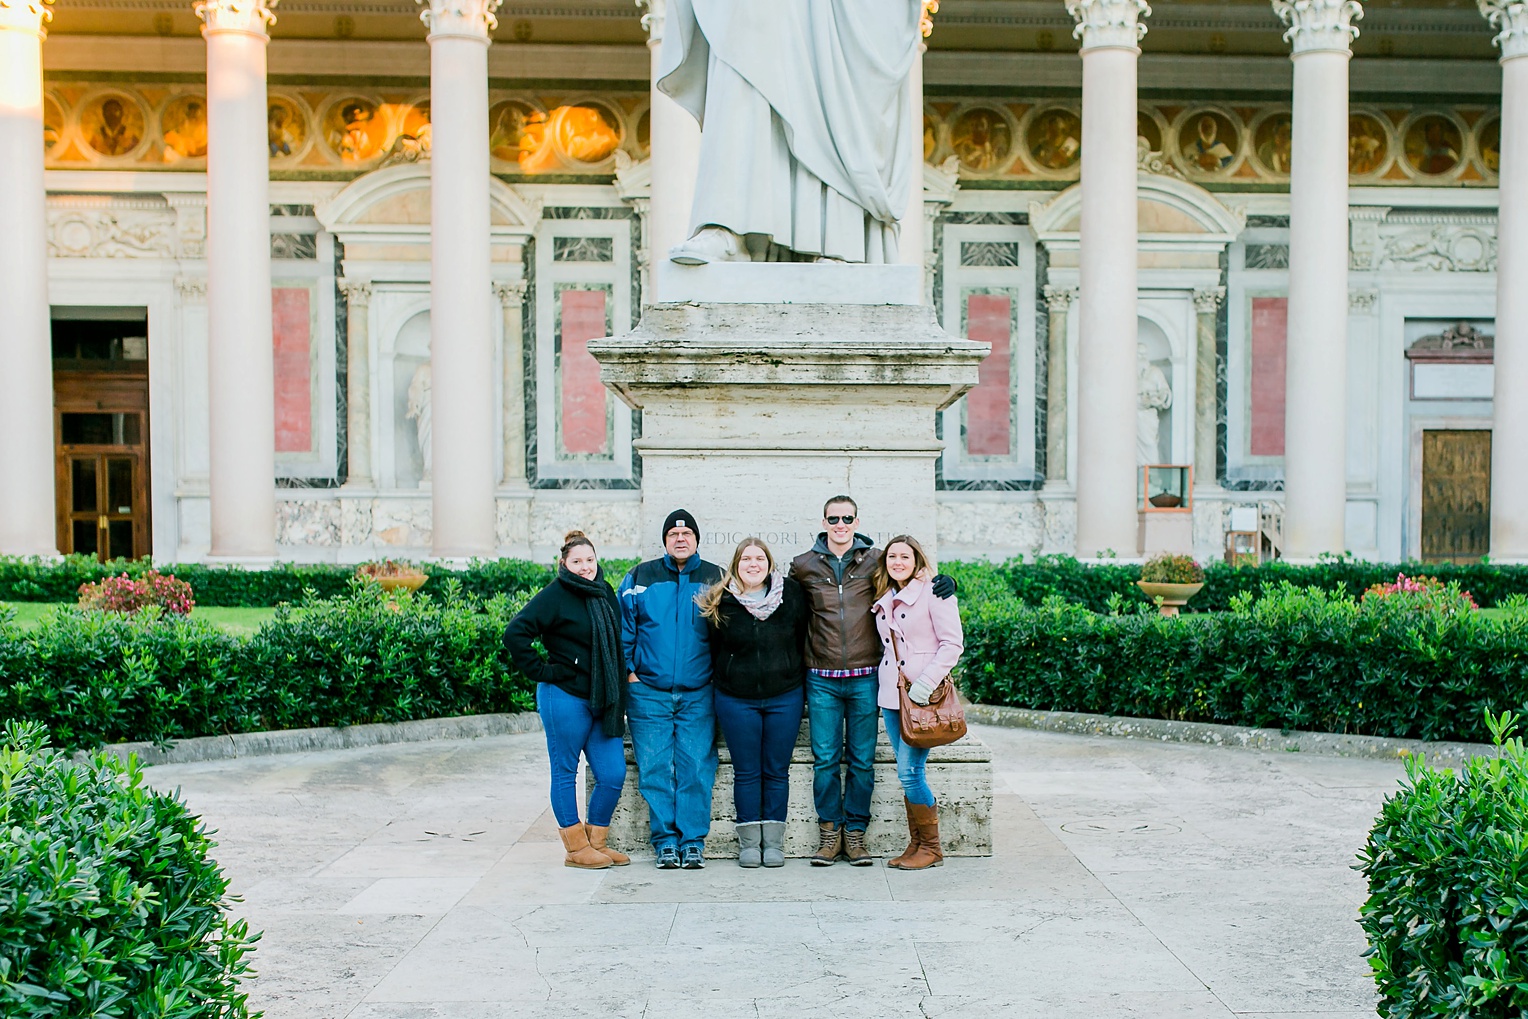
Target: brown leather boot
575, 842
830, 843
912, 839
597, 836
854, 848
929, 852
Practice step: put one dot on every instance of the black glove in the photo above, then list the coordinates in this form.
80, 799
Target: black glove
944, 587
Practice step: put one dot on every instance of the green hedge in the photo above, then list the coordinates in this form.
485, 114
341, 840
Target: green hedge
1292, 659
1447, 865
94, 678
110, 904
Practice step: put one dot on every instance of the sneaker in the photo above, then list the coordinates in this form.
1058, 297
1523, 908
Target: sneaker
693, 859
668, 858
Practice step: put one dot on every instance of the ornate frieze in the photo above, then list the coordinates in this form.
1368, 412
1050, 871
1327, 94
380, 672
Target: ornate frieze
1462, 242
471, 19
1319, 25
86, 227
25, 16
1510, 19
251, 17
1109, 23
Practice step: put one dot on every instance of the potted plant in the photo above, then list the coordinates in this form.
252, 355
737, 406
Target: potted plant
393, 576
1170, 581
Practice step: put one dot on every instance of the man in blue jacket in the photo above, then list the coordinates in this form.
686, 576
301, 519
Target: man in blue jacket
670, 708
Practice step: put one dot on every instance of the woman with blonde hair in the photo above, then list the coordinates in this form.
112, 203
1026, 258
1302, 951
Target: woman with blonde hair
758, 618
580, 694
923, 641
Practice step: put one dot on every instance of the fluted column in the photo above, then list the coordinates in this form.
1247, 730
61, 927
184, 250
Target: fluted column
241, 432
1110, 31
512, 300
357, 383
1509, 427
1316, 374
1206, 406
675, 142
26, 358
461, 349
1058, 300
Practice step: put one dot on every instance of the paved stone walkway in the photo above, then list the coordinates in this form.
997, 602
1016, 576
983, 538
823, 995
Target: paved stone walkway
1130, 879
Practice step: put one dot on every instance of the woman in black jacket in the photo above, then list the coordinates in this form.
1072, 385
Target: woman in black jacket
758, 620
578, 694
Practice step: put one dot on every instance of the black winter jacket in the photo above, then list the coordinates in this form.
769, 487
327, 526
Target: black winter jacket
758, 658
560, 618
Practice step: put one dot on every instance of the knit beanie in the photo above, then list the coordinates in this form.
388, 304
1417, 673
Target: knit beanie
680, 518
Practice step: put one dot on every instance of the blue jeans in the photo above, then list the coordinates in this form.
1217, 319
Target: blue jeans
912, 763
570, 728
674, 735
842, 716
761, 733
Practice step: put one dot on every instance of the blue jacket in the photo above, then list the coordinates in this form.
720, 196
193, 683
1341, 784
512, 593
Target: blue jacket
662, 631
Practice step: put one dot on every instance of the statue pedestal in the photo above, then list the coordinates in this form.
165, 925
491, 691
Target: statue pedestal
789, 283
753, 414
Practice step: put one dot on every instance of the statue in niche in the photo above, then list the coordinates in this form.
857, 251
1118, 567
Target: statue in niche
806, 151
1154, 394
418, 411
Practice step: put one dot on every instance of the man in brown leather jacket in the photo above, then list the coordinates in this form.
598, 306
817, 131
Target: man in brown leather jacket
843, 651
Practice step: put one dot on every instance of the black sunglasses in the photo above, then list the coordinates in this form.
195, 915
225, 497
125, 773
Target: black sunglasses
841, 520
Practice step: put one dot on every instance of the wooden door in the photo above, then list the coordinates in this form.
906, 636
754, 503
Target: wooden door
102, 468
1456, 494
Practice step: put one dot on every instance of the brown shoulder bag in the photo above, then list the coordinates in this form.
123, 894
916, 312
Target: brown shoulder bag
924, 726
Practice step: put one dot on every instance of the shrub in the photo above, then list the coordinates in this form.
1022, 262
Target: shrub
1172, 569
110, 903
388, 568
1420, 594
1447, 913
128, 594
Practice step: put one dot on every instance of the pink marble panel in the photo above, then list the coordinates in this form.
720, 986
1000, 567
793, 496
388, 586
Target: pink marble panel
583, 396
1270, 325
989, 429
291, 333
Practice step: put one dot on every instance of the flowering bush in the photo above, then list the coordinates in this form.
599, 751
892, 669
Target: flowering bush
1420, 594
133, 594
1172, 569
388, 568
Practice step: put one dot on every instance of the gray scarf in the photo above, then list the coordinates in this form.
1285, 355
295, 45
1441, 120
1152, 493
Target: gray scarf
761, 606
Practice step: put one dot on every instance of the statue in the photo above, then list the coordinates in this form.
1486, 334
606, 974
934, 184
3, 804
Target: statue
419, 412
807, 151
1154, 394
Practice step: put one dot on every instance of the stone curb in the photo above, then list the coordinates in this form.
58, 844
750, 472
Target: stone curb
1330, 744
297, 741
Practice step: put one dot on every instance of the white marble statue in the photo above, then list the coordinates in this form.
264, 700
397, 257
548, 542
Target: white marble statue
1154, 394
418, 411
806, 150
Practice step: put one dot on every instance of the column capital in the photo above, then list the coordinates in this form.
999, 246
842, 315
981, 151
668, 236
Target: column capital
1319, 26
511, 293
1510, 19
1207, 300
464, 19
1059, 298
926, 18
652, 21
357, 292
1109, 24
251, 17
25, 16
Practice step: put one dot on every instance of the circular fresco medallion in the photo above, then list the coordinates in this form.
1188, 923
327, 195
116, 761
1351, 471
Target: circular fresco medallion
1054, 139
1368, 145
586, 133
982, 139
1489, 141
286, 127
353, 131
112, 124
1434, 145
514, 128
184, 124
1147, 129
1208, 141
52, 123
1272, 143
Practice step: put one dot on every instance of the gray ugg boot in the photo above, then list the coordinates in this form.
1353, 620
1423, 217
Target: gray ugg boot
748, 838
774, 843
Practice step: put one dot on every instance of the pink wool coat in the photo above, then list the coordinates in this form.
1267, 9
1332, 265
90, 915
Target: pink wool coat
928, 635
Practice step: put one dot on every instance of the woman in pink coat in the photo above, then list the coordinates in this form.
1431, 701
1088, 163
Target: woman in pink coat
923, 641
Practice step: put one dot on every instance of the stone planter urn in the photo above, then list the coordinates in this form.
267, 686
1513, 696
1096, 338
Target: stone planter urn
402, 582
1169, 598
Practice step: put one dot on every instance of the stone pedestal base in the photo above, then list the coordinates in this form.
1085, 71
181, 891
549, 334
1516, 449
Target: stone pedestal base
960, 775
754, 414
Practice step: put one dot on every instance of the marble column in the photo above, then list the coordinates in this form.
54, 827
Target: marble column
911, 229
675, 160
1206, 366
26, 381
357, 383
461, 348
1107, 479
1315, 423
512, 299
241, 427
1058, 300
1509, 427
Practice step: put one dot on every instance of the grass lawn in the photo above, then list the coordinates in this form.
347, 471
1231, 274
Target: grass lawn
30, 613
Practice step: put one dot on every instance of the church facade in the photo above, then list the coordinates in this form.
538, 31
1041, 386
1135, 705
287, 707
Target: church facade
139, 399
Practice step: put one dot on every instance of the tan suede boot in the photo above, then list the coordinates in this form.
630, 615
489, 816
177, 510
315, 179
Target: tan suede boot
830, 843
897, 861
929, 853
575, 842
854, 848
597, 836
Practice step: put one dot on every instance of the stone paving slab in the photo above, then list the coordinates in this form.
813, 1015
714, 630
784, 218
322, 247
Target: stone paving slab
424, 881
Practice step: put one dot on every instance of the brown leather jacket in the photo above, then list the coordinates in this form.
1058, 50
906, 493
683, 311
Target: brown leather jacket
841, 631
